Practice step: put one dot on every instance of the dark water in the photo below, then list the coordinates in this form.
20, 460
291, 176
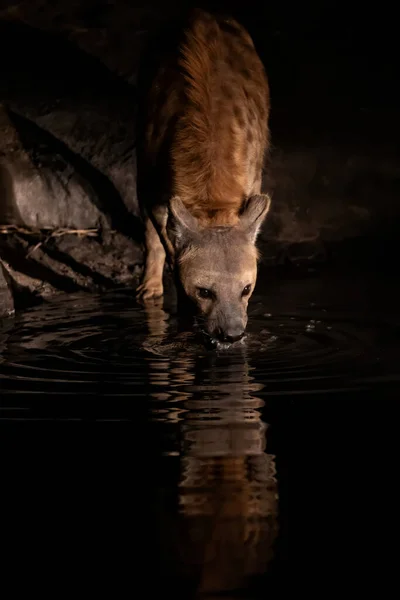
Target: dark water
215, 438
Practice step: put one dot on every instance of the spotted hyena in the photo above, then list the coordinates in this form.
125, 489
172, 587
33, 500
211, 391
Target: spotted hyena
200, 159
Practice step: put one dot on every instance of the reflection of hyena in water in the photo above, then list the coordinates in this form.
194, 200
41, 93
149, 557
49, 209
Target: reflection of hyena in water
224, 521
200, 161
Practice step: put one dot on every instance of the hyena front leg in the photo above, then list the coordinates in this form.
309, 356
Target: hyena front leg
152, 283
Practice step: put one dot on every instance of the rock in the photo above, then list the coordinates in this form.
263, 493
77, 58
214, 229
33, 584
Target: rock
73, 97
27, 290
40, 187
40, 265
46, 185
6, 298
330, 192
112, 260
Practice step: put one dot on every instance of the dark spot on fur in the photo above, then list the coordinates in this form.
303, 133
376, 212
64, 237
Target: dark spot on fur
250, 136
228, 154
244, 71
247, 47
239, 116
231, 61
261, 106
226, 91
252, 116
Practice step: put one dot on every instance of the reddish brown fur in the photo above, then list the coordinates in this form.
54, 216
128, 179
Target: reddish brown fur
215, 107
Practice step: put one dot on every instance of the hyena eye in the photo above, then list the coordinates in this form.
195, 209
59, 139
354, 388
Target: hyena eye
246, 290
205, 293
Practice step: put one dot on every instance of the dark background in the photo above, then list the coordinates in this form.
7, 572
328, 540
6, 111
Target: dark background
335, 106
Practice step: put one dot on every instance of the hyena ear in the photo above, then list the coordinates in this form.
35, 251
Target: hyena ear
253, 215
181, 223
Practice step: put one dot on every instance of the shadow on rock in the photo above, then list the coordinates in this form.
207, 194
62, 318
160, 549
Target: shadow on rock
9, 212
74, 97
55, 161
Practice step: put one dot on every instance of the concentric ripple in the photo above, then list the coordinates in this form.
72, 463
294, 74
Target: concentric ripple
58, 356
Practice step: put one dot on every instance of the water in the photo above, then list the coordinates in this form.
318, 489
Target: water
213, 431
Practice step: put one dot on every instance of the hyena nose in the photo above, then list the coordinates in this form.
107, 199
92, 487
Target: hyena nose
230, 335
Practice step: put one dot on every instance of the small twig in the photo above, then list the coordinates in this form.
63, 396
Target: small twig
9, 229
80, 232
16, 229
32, 250
46, 234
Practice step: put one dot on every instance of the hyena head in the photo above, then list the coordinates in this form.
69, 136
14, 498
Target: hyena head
217, 266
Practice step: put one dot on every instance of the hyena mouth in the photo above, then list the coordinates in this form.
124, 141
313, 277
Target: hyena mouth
212, 343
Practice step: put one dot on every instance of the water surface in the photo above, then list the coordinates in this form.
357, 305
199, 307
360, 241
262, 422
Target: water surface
218, 424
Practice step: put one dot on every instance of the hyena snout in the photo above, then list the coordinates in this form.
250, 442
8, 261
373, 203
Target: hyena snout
229, 329
230, 335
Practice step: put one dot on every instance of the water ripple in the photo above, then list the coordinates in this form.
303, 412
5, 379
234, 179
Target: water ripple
68, 346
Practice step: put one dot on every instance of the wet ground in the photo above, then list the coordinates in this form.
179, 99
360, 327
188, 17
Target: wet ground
216, 438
